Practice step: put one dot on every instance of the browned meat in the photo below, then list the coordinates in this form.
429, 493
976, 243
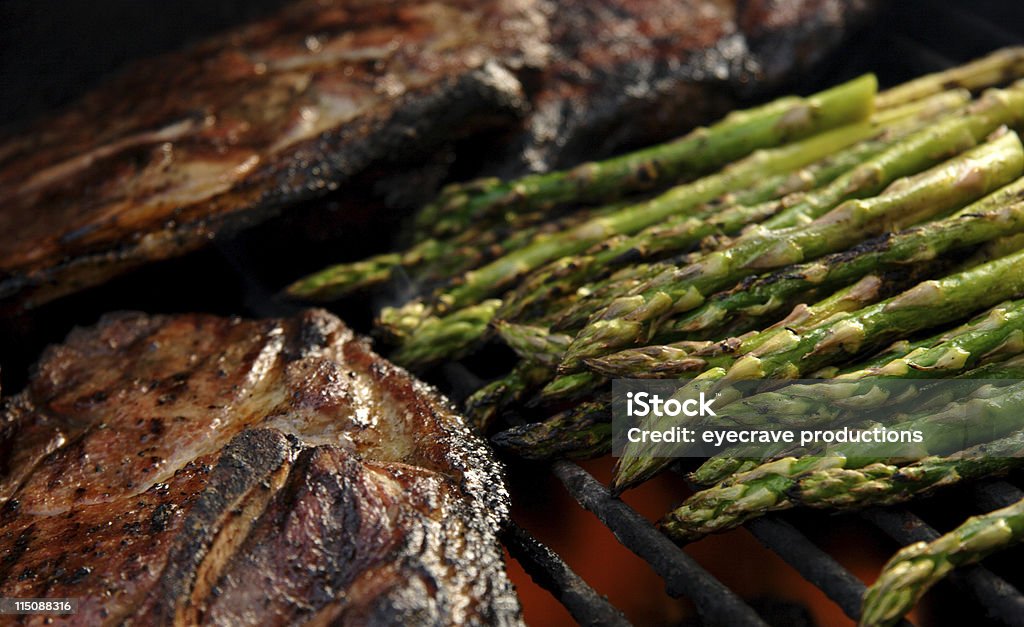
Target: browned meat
192, 145
180, 148
203, 470
630, 72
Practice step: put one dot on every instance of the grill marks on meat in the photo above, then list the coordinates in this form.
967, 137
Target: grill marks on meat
203, 470
182, 147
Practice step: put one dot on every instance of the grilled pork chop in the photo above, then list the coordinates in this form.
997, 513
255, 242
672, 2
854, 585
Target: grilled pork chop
189, 146
201, 470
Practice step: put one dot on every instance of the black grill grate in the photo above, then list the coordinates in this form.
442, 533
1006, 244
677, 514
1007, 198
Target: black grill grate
909, 38
717, 604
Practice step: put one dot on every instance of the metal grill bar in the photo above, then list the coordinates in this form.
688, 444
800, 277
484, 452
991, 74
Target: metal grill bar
550, 572
716, 604
813, 564
1001, 600
997, 495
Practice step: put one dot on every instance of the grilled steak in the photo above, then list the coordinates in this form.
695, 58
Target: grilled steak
192, 145
630, 72
201, 470
179, 148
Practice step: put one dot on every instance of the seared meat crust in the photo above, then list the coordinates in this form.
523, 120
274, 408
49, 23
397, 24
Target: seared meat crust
202, 470
625, 73
217, 137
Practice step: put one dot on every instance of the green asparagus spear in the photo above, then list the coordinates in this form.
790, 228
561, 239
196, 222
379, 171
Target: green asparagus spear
683, 199
493, 277
925, 108
726, 216
766, 488
995, 108
568, 387
929, 304
676, 234
916, 568
996, 334
434, 260
435, 338
999, 214
534, 343
633, 319
702, 150
340, 280
887, 484
1002, 66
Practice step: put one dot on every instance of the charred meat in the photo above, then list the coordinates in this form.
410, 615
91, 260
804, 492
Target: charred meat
203, 470
183, 147
625, 73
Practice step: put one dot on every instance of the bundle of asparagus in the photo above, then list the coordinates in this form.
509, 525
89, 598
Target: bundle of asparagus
845, 234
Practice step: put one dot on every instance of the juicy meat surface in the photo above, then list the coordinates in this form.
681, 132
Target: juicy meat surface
193, 145
193, 469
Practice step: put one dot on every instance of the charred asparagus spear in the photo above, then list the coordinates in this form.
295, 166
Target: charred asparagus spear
485, 405
633, 319
583, 432
916, 568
